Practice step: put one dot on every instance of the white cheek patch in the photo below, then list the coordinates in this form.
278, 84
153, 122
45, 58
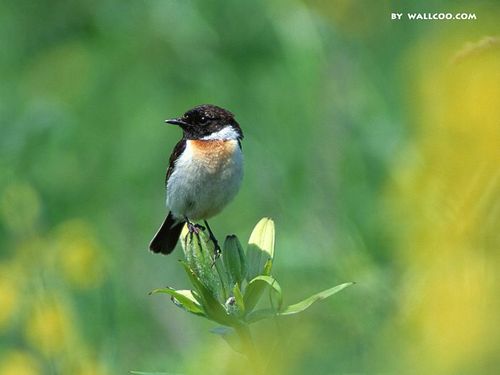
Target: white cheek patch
226, 133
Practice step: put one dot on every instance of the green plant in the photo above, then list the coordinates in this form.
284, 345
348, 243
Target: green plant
226, 288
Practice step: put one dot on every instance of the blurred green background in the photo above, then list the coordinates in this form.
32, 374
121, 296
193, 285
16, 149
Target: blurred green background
373, 144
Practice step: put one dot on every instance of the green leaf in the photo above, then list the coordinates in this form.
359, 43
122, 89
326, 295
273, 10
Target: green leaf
213, 309
239, 299
302, 305
256, 287
267, 267
199, 251
257, 315
184, 239
184, 298
260, 249
261, 314
225, 282
151, 373
234, 260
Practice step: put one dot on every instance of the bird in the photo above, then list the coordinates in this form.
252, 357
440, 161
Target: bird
204, 174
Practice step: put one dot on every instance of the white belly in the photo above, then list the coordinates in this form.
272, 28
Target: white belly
206, 178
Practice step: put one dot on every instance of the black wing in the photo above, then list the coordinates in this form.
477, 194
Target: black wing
178, 150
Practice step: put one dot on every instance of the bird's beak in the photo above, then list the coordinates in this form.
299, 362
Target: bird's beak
176, 121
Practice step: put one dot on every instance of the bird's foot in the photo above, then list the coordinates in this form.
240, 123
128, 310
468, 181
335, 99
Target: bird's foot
194, 228
217, 249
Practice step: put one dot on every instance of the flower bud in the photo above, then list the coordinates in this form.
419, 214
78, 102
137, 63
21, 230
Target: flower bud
234, 260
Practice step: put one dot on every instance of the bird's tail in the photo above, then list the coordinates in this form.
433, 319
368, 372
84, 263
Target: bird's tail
167, 236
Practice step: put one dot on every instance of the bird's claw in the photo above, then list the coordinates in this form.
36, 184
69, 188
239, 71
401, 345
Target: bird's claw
195, 228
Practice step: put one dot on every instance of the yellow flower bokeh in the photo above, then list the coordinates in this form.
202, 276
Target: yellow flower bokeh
91, 367
50, 327
83, 362
18, 363
79, 254
446, 192
9, 292
45, 321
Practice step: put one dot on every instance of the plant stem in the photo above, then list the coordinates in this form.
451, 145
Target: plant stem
249, 348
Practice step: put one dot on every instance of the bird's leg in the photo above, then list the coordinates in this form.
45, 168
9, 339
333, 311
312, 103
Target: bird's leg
199, 227
217, 249
192, 228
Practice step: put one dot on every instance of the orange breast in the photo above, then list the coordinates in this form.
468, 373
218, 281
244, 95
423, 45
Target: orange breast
213, 154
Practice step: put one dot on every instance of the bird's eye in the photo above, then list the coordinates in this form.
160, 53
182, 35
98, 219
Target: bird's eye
204, 119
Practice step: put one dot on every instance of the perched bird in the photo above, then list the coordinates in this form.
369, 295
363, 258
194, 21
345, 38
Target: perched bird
204, 174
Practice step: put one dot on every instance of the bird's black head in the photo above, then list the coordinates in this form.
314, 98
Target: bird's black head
208, 122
